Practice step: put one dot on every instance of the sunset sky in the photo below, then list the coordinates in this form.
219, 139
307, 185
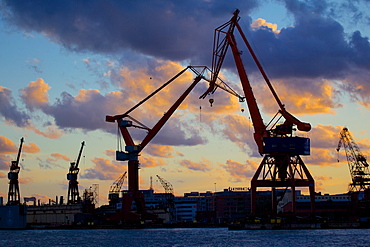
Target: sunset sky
67, 64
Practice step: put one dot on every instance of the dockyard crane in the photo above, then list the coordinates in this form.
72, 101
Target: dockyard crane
357, 163
134, 198
281, 165
14, 197
168, 189
115, 188
170, 197
73, 194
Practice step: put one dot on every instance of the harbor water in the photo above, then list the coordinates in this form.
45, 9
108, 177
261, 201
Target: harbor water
178, 237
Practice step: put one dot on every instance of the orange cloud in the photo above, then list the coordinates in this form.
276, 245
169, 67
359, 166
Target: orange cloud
303, 97
151, 162
2, 175
7, 146
263, 23
160, 150
58, 156
104, 169
31, 148
203, 166
35, 94
240, 171
85, 95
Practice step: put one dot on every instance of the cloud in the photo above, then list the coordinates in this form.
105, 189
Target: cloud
204, 165
238, 129
58, 156
52, 162
30, 148
9, 110
7, 146
239, 171
35, 94
151, 162
111, 26
2, 175
261, 23
104, 169
160, 151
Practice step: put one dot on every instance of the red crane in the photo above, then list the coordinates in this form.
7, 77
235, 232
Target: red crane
133, 205
14, 197
73, 194
281, 165
358, 166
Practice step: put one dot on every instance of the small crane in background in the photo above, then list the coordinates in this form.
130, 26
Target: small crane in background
115, 189
358, 166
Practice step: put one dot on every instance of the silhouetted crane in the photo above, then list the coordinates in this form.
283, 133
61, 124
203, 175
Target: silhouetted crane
73, 194
14, 197
358, 166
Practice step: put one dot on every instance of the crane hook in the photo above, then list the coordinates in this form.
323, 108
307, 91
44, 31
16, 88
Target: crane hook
211, 101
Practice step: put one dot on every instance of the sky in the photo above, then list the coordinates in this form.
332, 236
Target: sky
65, 65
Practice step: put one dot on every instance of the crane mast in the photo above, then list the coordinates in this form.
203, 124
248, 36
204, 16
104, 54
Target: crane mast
13, 193
281, 165
358, 166
73, 194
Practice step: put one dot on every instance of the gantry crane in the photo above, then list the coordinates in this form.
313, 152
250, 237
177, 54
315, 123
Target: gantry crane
358, 166
14, 197
115, 189
73, 194
281, 165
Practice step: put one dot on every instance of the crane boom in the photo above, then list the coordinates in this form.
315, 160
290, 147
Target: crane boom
224, 38
281, 165
132, 150
117, 185
357, 163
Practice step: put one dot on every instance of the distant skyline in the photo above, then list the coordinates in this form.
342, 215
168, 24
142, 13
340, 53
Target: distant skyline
65, 65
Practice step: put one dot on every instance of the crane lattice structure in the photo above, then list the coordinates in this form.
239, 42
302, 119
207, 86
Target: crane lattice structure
14, 197
282, 165
115, 188
73, 194
358, 166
